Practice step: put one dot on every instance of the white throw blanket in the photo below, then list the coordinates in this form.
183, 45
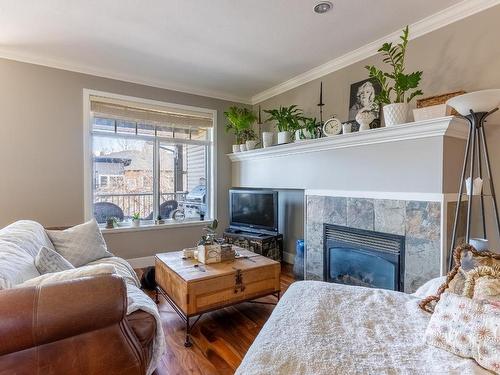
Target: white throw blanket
138, 300
321, 328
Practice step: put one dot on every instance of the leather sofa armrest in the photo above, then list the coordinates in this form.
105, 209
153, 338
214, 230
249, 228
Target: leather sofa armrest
38, 315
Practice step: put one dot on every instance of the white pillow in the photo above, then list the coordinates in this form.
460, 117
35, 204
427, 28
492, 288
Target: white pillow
430, 287
47, 260
80, 244
74, 273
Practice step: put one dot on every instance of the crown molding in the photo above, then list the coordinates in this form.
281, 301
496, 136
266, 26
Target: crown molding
427, 25
130, 78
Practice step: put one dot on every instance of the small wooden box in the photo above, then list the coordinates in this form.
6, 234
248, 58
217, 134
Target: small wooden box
196, 288
208, 254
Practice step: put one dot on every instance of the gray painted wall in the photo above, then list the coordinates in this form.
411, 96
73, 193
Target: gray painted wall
42, 152
461, 56
291, 220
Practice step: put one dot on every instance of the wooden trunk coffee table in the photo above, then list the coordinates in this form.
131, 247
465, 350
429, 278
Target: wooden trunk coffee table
193, 288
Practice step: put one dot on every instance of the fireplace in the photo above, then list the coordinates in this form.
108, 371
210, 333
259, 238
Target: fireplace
364, 258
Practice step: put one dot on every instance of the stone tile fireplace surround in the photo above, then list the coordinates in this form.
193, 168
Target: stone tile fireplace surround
418, 221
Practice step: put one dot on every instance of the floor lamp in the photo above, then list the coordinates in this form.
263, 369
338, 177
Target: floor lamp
475, 107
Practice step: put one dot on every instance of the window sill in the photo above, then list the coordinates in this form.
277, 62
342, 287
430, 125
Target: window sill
169, 224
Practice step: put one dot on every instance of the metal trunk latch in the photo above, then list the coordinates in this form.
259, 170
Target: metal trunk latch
238, 285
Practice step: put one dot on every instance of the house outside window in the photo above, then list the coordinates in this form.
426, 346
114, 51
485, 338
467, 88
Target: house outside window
103, 181
150, 160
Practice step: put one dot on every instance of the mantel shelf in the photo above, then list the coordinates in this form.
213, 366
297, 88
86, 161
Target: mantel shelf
449, 126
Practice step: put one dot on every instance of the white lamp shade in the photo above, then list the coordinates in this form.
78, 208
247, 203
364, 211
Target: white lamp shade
478, 101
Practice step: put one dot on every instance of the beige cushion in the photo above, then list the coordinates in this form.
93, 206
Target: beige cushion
468, 328
75, 273
48, 260
483, 283
80, 244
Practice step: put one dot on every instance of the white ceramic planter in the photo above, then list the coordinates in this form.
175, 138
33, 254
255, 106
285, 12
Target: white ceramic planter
136, 223
283, 137
267, 139
302, 134
251, 144
395, 114
236, 148
243, 147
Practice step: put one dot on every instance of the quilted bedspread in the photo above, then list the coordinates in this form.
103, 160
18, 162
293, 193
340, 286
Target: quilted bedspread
322, 328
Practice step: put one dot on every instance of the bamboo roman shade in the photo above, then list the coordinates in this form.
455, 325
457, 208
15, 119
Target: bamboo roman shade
149, 114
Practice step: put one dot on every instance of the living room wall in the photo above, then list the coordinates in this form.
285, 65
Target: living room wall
42, 152
464, 55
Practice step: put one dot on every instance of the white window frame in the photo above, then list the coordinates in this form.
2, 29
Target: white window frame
87, 147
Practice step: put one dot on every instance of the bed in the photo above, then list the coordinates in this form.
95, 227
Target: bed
322, 328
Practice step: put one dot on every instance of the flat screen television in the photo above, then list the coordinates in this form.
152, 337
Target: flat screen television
253, 209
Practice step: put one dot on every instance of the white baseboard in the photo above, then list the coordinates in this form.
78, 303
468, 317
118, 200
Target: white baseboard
288, 257
142, 262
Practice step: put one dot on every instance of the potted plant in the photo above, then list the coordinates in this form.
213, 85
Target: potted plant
239, 120
308, 129
136, 219
111, 222
209, 250
250, 139
287, 121
397, 87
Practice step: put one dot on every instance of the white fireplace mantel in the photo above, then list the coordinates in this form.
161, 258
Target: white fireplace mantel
446, 126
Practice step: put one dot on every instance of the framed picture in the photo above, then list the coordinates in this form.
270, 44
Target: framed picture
362, 98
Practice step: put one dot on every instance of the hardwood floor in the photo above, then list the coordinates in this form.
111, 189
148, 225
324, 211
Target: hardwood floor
221, 338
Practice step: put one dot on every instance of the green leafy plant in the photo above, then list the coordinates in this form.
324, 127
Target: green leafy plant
287, 118
248, 135
111, 222
136, 216
402, 83
240, 121
309, 125
209, 238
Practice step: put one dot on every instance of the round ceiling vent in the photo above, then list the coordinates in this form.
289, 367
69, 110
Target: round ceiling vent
323, 7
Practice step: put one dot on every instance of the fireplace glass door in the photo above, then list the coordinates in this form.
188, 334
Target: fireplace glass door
364, 258
363, 268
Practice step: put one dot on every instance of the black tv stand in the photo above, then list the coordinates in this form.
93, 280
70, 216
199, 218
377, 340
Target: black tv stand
269, 245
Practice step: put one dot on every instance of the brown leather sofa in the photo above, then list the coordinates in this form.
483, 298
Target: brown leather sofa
73, 327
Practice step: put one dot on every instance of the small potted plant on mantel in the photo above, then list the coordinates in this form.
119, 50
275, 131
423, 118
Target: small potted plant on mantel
308, 129
287, 121
395, 110
250, 138
240, 122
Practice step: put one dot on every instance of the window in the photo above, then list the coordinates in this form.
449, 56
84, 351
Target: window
150, 160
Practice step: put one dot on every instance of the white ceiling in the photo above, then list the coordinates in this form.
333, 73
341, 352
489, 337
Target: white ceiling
223, 48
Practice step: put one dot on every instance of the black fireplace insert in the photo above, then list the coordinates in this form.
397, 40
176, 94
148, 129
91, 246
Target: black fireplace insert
364, 258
